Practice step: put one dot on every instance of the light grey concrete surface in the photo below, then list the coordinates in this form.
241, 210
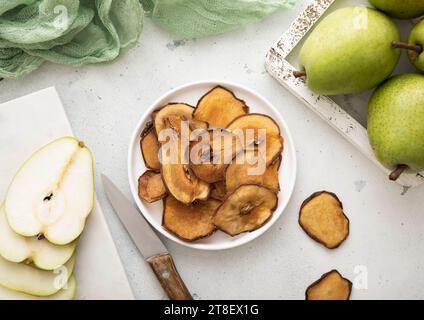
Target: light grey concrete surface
105, 102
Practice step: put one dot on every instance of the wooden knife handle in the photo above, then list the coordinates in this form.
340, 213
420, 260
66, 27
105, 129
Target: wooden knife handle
164, 268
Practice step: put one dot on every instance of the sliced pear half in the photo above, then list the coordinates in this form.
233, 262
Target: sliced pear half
53, 192
27, 279
42, 253
66, 293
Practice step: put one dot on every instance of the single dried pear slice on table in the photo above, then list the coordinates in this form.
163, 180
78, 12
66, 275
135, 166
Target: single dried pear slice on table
212, 153
44, 255
246, 209
151, 187
190, 222
259, 130
149, 146
249, 168
219, 107
322, 218
331, 286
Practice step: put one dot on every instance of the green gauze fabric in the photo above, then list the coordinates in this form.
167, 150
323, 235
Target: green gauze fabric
198, 18
74, 32
78, 32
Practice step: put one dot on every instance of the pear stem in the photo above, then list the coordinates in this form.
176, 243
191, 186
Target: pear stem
398, 171
299, 74
413, 47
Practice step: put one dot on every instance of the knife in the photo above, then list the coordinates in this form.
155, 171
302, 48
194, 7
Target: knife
147, 242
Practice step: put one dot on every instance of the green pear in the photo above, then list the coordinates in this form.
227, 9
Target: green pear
415, 45
402, 9
350, 51
53, 192
396, 124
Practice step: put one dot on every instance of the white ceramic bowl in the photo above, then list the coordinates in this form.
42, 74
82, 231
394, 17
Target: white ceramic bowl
191, 93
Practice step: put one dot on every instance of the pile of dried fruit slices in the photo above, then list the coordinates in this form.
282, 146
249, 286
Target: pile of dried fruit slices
211, 184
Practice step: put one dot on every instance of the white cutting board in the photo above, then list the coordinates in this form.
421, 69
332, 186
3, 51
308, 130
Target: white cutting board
28, 123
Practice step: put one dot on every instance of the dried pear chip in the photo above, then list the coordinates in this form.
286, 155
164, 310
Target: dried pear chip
249, 168
322, 218
219, 190
212, 153
219, 107
255, 121
172, 111
177, 176
198, 125
190, 222
246, 209
261, 131
149, 145
181, 182
271, 175
151, 187
274, 148
202, 191
331, 286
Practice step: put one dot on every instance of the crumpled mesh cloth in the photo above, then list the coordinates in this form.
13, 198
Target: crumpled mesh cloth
198, 18
78, 32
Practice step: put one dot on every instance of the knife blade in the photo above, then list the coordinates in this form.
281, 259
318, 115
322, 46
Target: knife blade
147, 242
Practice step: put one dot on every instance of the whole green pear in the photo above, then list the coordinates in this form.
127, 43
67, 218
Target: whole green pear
402, 9
350, 51
416, 40
396, 123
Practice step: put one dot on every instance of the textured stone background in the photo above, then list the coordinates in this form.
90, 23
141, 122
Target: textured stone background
104, 104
